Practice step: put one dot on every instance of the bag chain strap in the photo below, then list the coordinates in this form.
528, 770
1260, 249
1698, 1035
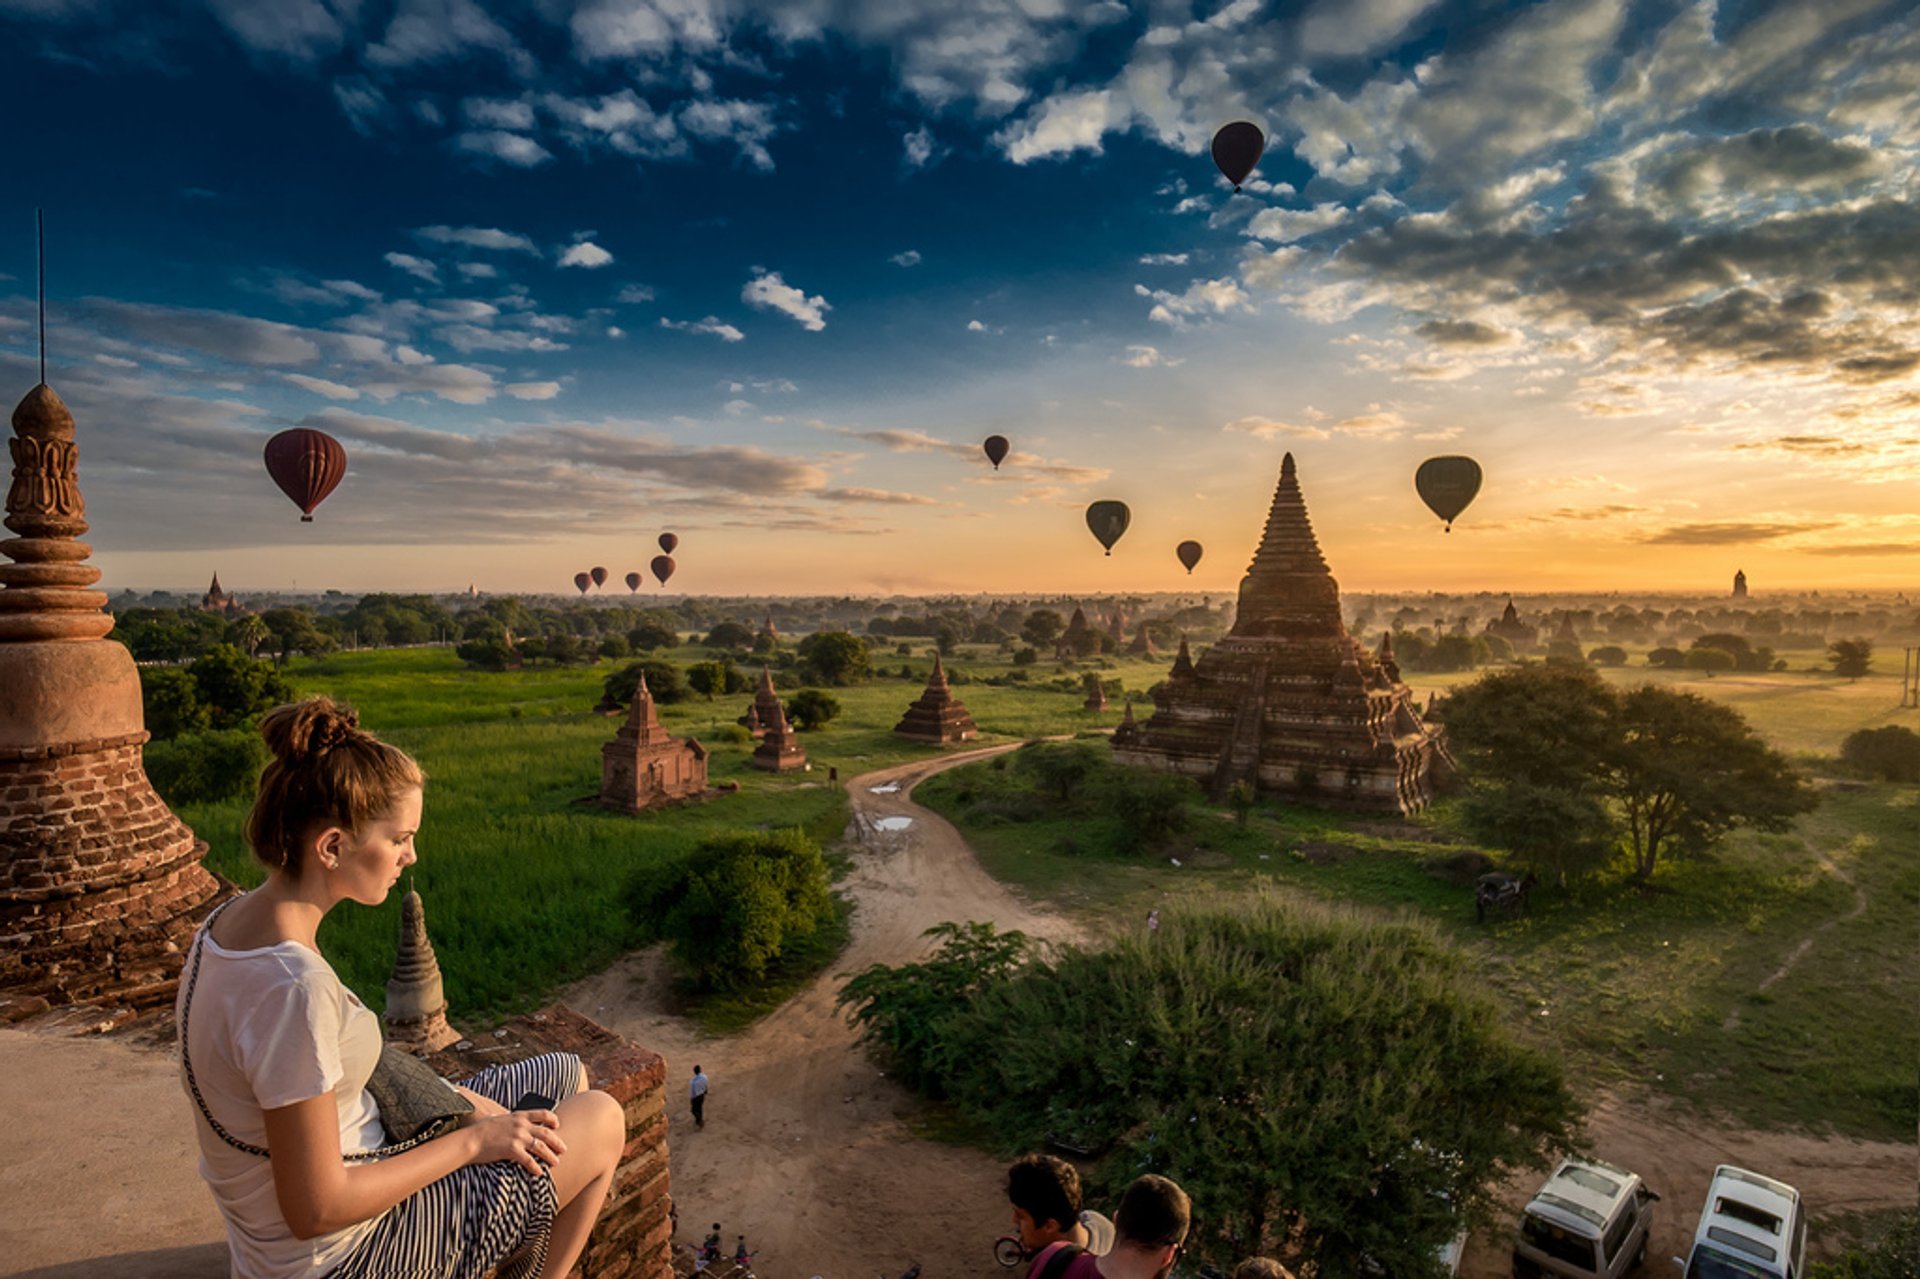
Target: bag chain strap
193, 1085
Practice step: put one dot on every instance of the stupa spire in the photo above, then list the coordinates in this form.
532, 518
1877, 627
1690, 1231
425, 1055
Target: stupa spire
416, 1013
43, 593
1288, 589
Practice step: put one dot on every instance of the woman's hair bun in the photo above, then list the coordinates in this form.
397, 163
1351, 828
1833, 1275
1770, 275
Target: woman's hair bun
306, 730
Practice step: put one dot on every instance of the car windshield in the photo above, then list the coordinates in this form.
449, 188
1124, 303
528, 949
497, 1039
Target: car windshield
1711, 1263
1557, 1243
1588, 1179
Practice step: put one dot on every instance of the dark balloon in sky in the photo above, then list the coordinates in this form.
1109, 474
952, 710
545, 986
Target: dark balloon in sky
1237, 148
307, 465
634, 581
669, 542
1447, 485
599, 575
1108, 520
663, 567
1189, 553
583, 581
997, 448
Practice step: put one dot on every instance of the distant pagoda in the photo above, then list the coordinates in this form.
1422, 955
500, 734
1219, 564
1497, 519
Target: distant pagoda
1142, 645
1289, 701
1096, 695
646, 767
1739, 584
1510, 628
779, 750
937, 715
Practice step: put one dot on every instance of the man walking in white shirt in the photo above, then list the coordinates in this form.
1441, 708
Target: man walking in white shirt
697, 1094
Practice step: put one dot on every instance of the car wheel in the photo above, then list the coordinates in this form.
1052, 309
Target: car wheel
1640, 1257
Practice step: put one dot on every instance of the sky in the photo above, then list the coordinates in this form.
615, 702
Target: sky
564, 274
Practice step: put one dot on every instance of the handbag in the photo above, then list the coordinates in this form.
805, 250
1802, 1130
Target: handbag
416, 1105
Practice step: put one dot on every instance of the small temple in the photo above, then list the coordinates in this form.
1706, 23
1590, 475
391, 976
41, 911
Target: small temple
101, 885
1739, 584
779, 750
1096, 695
219, 601
416, 1014
937, 716
644, 766
1510, 628
1066, 645
1142, 645
1288, 701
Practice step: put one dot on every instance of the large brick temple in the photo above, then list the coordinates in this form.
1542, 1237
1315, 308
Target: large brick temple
1288, 700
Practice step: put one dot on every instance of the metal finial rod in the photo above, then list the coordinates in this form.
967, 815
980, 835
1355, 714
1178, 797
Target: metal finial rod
40, 216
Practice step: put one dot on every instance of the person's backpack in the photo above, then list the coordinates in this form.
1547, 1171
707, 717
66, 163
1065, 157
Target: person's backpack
1063, 1255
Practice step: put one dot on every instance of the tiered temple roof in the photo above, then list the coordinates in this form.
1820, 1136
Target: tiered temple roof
779, 750
1288, 700
937, 715
416, 1013
644, 766
1510, 628
1142, 645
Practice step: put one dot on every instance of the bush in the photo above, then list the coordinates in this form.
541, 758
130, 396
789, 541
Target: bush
810, 709
1025, 657
486, 654
172, 703
1892, 754
747, 897
733, 734
614, 646
1151, 806
206, 768
663, 681
1608, 655
234, 687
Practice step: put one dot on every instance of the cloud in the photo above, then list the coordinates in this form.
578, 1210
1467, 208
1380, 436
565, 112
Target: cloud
325, 293
910, 257
437, 31
478, 237
300, 31
1347, 28
618, 29
1163, 259
508, 148
532, 390
748, 125
919, 150
767, 291
1149, 357
634, 294
515, 114
712, 324
1203, 299
879, 497
1266, 428
975, 326
365, 107
1284, 226
419, 268
321, 386
586, 254
1469, 333
1064, 123
1862, 548
1729, 534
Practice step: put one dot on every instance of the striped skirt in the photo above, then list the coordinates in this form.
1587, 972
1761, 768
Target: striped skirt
477, 1219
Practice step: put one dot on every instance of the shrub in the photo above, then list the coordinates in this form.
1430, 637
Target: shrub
172, 703
663, 681
1025, 657
810, 709
234, 687
747, 897
206, 768
1151, 806
1608, 655
485, 653
1891, 753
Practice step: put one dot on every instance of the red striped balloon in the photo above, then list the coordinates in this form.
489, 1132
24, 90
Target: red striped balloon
307, 465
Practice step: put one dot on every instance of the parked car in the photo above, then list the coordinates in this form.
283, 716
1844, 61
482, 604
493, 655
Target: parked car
1589, 1220
1751, 1227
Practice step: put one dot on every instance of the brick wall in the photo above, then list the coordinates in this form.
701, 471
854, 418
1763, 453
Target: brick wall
633, 1236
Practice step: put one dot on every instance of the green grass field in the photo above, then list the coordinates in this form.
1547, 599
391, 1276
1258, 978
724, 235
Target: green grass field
524, 886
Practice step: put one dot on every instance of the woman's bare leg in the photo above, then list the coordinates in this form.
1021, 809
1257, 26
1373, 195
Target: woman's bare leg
595, 1130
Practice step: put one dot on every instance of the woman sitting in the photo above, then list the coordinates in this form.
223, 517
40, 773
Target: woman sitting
277, 1053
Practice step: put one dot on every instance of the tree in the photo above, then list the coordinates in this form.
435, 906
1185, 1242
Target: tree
1711, 660
1667, 657
1851, 658
487, 654
730, 635
1150, 805
810, 709
653, 635
172, 703
234, 687
1608, 655
663, 681
294, 632
1237, 1071
1241, 798
249, 633
1042, 627
708, 678
1561, 652
1891, 753
833, 657
748, 896
1061, 767
1687, 771
614, 646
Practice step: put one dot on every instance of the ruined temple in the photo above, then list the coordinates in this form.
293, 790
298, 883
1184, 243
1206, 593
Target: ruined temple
1096, 695
1510, 628
100, 884
644, 767
416, 1013
1068, 643
1142, 645
1289, 701
1739, 584
779, 750
219, 601
936, 715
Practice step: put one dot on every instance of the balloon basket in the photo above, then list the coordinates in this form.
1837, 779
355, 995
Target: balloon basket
306, 519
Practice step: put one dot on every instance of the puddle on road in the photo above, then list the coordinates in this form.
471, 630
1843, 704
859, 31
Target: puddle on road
892, 823
891, 788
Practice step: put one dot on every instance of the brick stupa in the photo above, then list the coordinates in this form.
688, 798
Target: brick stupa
416, 1014
1096, 695
1288, 700
101, 885
644, 767
779, 750
936, 715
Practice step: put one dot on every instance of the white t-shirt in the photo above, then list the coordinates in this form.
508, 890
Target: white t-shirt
270, 1027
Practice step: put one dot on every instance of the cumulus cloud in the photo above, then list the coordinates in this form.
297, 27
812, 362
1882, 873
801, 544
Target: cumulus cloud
1468, 333
1203, 299
1163, 259
1266, 428
767, 291
1284, 226
438, 31
515, 114
321, 386
419, 268
747, 125
365, 107
1141, 356
300, 31
532, 390
586, 254
919, 150
508, 148
478, 237
712, 324
975, 326
1063, 124
910, 257
634, 294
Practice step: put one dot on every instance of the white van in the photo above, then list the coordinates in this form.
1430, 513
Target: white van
1751, 1227
1590, 1220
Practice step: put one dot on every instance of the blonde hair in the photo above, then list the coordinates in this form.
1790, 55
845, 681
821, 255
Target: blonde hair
326, 771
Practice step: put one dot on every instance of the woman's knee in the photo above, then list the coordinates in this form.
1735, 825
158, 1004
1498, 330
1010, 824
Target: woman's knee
596, 1119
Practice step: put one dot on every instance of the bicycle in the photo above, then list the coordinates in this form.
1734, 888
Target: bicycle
1010, 1252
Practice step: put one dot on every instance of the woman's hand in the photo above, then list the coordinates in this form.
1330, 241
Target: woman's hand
483, 1107
530, 1138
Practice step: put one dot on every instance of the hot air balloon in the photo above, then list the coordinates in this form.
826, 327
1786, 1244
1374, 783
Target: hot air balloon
1447, 485
634, 581
307, 465
669, 542
996, 447
599, 575
1108, 520
583, 581
663, 568
1236, 149
1189, 553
